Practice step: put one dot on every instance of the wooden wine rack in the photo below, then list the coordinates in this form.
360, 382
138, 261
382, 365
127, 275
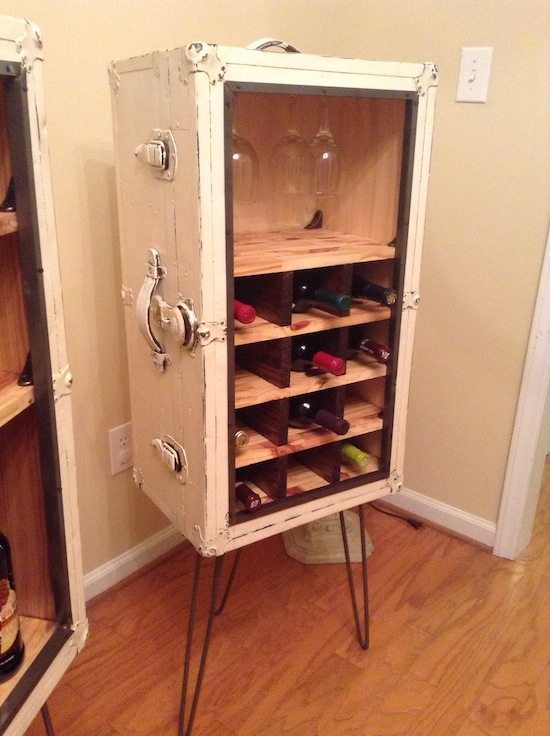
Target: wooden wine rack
35, 512
286, 464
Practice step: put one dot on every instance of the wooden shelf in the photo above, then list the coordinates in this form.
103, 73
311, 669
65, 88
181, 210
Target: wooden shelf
347, 472
293, 250
36, 632
300, 480
314, 321
13, 398
362, 416
8, 223
251, 389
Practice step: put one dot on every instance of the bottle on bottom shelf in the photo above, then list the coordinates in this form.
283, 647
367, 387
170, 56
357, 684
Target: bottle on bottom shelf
249, 498
11, 642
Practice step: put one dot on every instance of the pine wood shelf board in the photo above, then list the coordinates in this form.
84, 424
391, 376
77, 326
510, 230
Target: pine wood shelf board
250, 389
314, 321
294, 250
13, 398
36, 632
362, 416
300, 480
8, 223
347, 472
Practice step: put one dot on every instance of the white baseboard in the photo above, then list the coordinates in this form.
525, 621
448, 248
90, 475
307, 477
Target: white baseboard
443, 515
102, 578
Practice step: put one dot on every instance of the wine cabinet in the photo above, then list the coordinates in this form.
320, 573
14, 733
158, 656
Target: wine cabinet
38, 511
280, 182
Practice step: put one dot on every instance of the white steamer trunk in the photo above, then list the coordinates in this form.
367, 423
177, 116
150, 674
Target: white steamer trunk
182, 208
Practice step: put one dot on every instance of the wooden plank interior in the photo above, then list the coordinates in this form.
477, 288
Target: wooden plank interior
5, 159
301, 479
13, 322
367, 202
22, 515
8, 222
13, 398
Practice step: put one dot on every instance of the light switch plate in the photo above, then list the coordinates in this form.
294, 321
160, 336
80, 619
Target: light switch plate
473, 77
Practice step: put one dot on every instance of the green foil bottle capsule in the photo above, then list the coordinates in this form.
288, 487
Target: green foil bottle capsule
354, 456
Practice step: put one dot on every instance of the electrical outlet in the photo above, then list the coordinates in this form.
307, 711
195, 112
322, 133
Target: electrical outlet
120, 447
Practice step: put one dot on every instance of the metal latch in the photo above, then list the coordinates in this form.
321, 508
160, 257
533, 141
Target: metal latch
173, 456
207, 332
159, 152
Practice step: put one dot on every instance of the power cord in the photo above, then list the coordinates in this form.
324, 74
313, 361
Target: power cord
411, 522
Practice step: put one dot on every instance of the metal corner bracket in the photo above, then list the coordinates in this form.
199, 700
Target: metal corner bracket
411, 300
204, 58
62, 383
428, 78
394, 482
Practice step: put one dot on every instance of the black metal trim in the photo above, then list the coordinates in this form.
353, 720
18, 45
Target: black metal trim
403, 221
293, 89
35, 305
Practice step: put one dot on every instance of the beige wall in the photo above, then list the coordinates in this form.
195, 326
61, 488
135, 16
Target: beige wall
485, 233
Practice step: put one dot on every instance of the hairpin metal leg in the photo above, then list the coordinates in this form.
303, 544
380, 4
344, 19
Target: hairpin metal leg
362, 634
184, 729
48, 725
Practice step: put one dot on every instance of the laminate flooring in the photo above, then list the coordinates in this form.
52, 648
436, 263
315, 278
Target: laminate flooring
460, 645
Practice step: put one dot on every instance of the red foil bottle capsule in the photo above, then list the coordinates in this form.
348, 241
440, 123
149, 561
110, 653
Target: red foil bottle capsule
376, 350
249, 499
244, 313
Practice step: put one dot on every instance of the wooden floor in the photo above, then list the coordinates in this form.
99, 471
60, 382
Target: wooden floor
460, 646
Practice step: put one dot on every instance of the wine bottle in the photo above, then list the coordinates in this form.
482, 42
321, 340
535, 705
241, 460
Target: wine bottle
368, 290
241, 438
352, 455
8, 204
306, 411
308, 294
244, 313
11, 643
376, 350
249, 498
305, 355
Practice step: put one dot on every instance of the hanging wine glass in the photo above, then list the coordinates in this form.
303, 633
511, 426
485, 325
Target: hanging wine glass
245, 165
289, 208
323, 160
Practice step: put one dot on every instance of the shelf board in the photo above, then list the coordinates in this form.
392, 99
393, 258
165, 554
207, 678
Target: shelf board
8, 223
301, 480
13, 398
313, 321
36, 632
362, 416
347, 472
293, 250
250, 389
